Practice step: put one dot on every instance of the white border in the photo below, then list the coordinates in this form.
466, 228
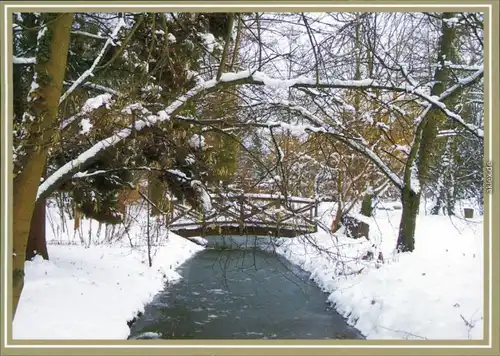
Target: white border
283, 6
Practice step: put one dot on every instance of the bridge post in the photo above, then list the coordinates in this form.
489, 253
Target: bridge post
278, 217
203, 226
242, 214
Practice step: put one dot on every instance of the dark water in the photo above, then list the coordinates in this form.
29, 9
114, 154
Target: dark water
240, 294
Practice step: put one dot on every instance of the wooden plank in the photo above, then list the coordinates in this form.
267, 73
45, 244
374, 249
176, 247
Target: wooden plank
269, 225
292, 199
235, 231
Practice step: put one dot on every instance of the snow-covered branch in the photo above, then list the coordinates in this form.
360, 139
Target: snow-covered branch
21, 60
90, 105
464, 82
462, 67
96, 87
304, 82
87, 157
446, 133
88, 34
256, 78
90, 72
355, 144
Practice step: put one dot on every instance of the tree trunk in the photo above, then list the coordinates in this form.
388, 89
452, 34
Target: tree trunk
427, 149
37, 244
451, 192
439, 202
336, 221
340, 204
406, 236
366, 205
450, 198
37, 241
423, 152
150, 261
50, 68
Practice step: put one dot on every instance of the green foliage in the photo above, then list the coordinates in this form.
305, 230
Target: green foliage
153, 71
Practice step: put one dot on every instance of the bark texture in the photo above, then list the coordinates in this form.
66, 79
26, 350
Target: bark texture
423, 147
50, 69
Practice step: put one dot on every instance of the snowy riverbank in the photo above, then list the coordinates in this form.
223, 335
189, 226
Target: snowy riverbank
436, 292
91, 293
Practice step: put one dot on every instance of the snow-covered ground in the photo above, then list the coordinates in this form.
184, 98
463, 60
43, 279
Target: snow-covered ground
92, 287
91, 293
436, 292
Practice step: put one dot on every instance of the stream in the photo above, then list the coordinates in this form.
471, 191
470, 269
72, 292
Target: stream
241, 294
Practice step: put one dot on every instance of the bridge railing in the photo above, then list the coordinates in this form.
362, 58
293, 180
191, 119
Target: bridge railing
250, 211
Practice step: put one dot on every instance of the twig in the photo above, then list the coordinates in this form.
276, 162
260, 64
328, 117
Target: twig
404, 332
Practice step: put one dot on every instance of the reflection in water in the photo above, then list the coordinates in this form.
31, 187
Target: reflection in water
242, 294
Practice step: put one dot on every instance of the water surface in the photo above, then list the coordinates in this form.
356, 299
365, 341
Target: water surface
242, 294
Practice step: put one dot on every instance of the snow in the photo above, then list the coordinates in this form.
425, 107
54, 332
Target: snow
281, 84
462, 67
450, 114
402, 148
281, 155
121, 23
96, 87
41, 33
76, 164
190, 159
96, 102
444, 133
382, 125
178, 173
85, 126
427, 294
86, 174
33, 87
91, 293
451, 22
88, 34
414, 180
90, 105
275, 196
192, 74
203, 195
19, 16
171, 38
135, 107
151, 88
229, 77
148, 335
197, 142
208, 41
79, 163
20, 60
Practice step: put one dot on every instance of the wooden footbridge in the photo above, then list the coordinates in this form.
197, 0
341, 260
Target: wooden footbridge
268, 215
